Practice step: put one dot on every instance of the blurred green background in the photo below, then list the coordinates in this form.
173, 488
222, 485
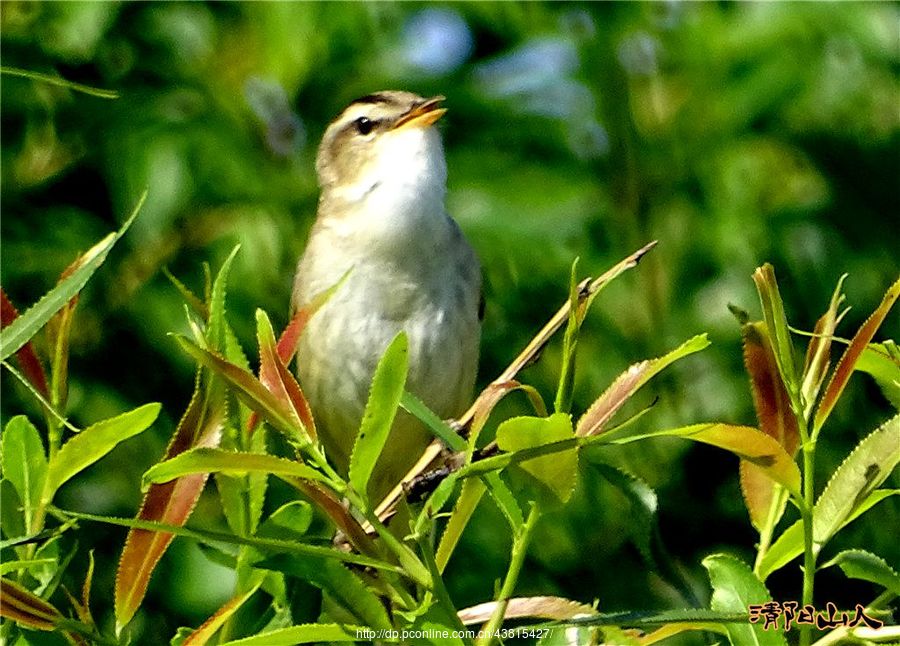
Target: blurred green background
733, 133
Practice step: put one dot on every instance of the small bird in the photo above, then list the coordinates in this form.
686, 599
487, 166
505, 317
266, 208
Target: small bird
381, 217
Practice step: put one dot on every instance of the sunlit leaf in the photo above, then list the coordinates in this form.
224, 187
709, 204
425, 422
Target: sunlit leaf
213, 460
557, 608
170, 503
381, 408
469, 497
552, 478
860, 564
818, 352
275, 376
735, 588
216, 324
415, 407
288, 522
882, 362
628, 383
776, 419
863, 471
24, 461
303, 634
789, 544
851, 355
746, 442
22, 329
95, 442
776, 324
290, 338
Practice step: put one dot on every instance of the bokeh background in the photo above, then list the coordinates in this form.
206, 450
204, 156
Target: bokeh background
732, 133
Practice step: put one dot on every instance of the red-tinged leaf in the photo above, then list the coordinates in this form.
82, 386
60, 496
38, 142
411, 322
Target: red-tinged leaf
776, 322
851, 355
818, 352
249, 390
774, 413
27, 357
209, 627
26, 608
629, 382
170, 503
275, 376
290, 338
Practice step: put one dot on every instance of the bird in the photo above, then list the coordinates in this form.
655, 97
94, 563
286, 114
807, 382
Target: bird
382, 226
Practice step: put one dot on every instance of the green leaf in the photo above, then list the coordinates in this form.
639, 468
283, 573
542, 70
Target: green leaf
735, 588
881, 362
629, 382
860, 564
25, 466
344, 587
776, 323
215, 326
863, 471
851, 355
551, 478
469, 497
209, 627
288, 522
100, 93
20, 331
643, 503
12, 519
818, 352
212, 460
381, 408
95, 442
415, 407
746, 442
303, 634
790, 544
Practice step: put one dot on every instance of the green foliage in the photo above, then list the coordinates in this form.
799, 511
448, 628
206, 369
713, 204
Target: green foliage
732, 133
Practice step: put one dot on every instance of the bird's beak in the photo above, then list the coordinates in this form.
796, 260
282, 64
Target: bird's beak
421, 116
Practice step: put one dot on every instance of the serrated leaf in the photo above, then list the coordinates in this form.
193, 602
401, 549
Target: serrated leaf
554, 608
215, 326
25, 466
213, 460
735, 588
26, 356
304, 634
26, 608
818, 352
170, 503
776, 323
209, 627
381, 408
21, 330
746, 442
883, 366
629, 382
863, 471
860, 564
95, 442
344, 587
551, 478
789, 544
275, 376
643, 503
851, 355
415, 407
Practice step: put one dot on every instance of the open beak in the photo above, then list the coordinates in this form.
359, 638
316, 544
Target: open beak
421, 116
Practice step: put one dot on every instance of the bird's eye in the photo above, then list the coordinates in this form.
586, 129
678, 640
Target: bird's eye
364, 125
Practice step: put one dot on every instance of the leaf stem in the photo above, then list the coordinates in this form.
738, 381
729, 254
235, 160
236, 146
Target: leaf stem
519, 549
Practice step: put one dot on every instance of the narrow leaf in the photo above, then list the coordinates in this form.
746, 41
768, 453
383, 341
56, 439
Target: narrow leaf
25, 466
629, 382
776, 323
818, 352
26, 608
556, 608
95, 442
209, 627
21, 330
746, 442
469, 496
275, 376
26, 356
863, 471
381, 408
212, 460
99, 93
304, 634
852, 354
290, 338
736, 588
790, 544
415, 407
170, 503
